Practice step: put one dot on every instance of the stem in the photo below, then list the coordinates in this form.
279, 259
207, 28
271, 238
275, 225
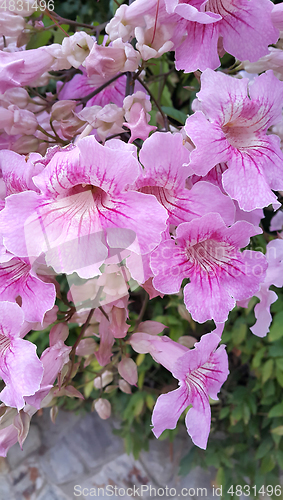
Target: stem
84, 100
104, 313
142, 311
73, 351
130, 85
63, 20
155, 102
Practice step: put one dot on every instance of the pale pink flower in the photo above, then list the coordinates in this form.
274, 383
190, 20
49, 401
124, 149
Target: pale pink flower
164, 175
20, 367
201, 371
83, 209
207, 252
19, 69
107, 120
245, 27
231, 127
274, 276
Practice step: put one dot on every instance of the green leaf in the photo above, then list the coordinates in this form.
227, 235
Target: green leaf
279, 363
177, 115
276, 411
279, 376
224, 412
267, 370
279, 456
276, 329
268, 463
39, 40
278, 430
186, 462
258, 357
264, 448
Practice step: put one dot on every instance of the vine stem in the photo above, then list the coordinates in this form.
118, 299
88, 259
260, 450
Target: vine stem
155, 102
73, 350
84, 100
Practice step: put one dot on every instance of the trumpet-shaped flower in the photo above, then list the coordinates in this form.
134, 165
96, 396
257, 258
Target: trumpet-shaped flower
201, 371
207, 252
230, 127
164, 176
20, 367
245, 27
83, 209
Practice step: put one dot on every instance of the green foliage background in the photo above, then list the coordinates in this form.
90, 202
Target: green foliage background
247, 422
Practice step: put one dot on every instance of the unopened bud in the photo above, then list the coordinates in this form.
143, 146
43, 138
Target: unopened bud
58, 332
17, 96
124, 386
127, 368
62, 110
103, 408
25, 144
104, 379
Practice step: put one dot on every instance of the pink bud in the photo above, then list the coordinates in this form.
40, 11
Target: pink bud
22, 424
104, 379
118, 325
26, 144
103, 408
128, 370
124, 386
151, 327
58, 332
62, 110
86, 347
17, 96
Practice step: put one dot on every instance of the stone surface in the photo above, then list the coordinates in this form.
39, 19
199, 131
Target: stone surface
60, 464
123, 472
27, 479
51, 492
93, 442
32, 443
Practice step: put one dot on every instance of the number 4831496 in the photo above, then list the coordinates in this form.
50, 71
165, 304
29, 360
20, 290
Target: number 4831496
19, 5
248, 490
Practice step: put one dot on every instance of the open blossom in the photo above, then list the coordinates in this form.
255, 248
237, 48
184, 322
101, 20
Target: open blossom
207, 252
274, 276
230, 127
18, 279
20, 367
82, 209
245, 27
163, 156
201, 371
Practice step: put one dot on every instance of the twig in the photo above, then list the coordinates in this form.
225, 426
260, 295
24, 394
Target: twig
84, 100
155, 102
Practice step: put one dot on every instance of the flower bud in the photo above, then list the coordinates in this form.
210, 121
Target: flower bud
58, 332
17, 96
124, 386
63, 110
104, 379
103, 408
26, 144
127, 368
77, 47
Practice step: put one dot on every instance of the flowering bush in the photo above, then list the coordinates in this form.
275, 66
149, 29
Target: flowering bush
113, 193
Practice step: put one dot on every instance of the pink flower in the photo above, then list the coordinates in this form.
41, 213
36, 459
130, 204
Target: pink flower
53, 359
20, 367
274, 276
83, 209
18, 279
18, 69
245, 26
163, 156
201, 371
80, 86
207, 252
231, 127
